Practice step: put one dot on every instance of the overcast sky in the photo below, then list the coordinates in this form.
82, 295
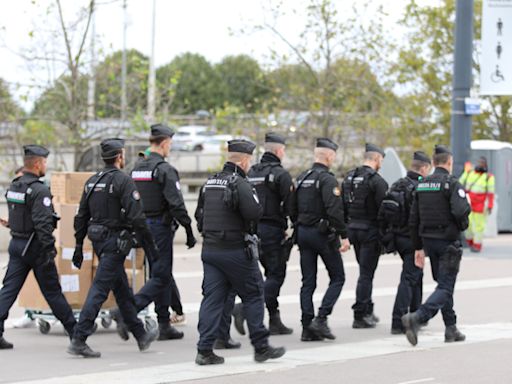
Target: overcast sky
201, 26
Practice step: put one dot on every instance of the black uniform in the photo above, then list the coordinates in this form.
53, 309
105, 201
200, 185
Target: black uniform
32, 221
320, 223
439, 214
410, 290
112, 206
159, 187
363, 192
275, 190
227, 265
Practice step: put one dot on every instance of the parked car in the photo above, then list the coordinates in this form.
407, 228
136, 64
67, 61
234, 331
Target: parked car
191, 137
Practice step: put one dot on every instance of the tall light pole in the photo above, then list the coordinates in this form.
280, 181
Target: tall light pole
123, 65
152, 74
91, 86
462, 79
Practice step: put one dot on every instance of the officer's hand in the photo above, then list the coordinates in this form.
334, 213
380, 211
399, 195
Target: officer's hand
49, 257
4, 222
419, 258
78, 257
345, 245
191, 240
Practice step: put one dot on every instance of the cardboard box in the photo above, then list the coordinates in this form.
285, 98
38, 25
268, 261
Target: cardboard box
139, 282
75, 286
64, 263
67, 187
65, 232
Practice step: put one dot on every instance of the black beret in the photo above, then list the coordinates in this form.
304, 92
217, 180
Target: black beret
35, 150
441, 149
324, 142
161, 130
373, 148
421, 156
272, 137
241, 146
110, 148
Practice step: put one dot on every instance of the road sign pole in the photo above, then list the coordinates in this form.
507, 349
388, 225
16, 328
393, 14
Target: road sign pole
462, 79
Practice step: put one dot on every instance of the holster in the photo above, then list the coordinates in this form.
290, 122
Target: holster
388, 243
451, 258
125, 242
252, 246
97, 232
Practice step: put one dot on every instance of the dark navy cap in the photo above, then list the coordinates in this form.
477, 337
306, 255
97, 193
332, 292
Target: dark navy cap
241, 146
161, 130
110, 148
272, 137
324, 142
421, 156
441, 149
373, 148
35, 150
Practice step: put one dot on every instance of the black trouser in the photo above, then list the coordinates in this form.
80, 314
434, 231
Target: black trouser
225, 321
312, 244
367, 248
110, 276
410, 289
47, 278
225, 271
158, 288
445, 268
274, 262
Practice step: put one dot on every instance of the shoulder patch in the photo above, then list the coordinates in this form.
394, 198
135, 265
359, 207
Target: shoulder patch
178, 186
136, 195
336, 191
461, 193
47, 201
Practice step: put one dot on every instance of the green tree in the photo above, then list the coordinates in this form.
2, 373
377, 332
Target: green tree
194, 83
9, 109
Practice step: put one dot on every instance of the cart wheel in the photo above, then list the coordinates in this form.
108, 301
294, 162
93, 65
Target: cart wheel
150, 323
44, 326
106, 322
94, 327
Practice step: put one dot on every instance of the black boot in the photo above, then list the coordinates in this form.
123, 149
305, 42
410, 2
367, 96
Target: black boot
168, 332
226, 344
276, 326
145, 341
374, 318
309, 335
411, 325
365, 322
208, 358
238, 317
452, 334
121, 328
80, 348
269, 352
320, 327
4, 344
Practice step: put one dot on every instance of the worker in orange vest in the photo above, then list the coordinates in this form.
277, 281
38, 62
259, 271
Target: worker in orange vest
479, 186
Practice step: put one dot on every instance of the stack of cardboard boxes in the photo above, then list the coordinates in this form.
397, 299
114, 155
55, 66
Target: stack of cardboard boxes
67, 189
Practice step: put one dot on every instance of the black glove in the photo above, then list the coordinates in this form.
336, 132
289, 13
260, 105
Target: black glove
191, 240
48, 257
78, 257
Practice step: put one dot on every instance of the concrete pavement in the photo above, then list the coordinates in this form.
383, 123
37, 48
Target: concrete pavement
356, 356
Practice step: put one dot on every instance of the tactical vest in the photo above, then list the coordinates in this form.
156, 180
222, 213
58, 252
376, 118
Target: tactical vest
309, 198
433, 195
263, 180
19, 204
104, 206
396, 206
145, 176
217, 215
357, 196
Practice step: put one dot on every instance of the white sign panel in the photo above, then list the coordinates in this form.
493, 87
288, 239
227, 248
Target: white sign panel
496, 59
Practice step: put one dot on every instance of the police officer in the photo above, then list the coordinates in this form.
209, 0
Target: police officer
158, 184
440, 212
32, 247
396, 224
363, 192
110, 209
275, 190
320, 224
227, 213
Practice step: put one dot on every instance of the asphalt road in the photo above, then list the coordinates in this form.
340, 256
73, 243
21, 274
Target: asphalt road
482, 302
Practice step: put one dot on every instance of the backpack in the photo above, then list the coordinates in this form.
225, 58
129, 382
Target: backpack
396, 205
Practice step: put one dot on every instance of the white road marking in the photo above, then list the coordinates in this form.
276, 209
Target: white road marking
171, 373
426, 380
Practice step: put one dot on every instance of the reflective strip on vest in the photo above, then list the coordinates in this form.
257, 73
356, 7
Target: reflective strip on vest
16, 197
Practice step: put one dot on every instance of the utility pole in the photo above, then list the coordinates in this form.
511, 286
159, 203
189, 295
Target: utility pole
123, 65
91, 86
462, 80
152, 74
